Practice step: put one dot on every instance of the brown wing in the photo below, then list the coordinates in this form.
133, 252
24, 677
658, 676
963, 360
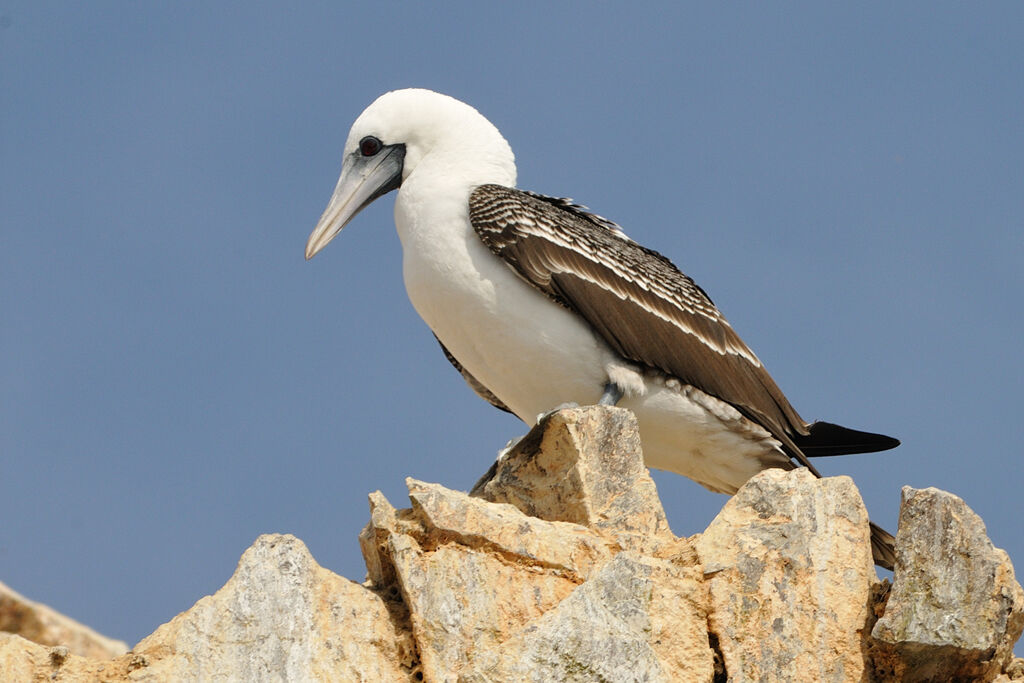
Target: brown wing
635, 298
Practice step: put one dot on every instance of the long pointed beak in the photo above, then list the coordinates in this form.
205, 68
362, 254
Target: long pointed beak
362, 180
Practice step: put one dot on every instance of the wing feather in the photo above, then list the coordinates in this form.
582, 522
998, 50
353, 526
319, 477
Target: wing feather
644, 307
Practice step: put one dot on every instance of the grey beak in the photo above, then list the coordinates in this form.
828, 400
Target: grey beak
362, 180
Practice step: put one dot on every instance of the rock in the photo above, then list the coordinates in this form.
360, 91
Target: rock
788, 563
1014, 671
562, 568
583, 465
43, 625
282, 617
483, 579
638, 619
22, 660
504, 530
955, 609
464, 598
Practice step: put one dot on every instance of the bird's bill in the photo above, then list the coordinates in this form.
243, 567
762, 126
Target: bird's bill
362, 180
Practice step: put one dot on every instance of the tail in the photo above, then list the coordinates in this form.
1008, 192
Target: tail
883, 547
826, 438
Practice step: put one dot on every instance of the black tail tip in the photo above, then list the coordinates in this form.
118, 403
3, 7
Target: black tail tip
826, 439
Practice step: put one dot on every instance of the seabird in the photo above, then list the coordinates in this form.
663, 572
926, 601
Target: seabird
538, 302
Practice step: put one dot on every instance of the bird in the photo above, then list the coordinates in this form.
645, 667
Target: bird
539, 302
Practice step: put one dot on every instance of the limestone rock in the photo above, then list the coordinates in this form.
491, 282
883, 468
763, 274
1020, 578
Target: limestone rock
638, 619
505, 530
281, 617
1014, 671
46, 626
583, 465
488, 587
464, 599
788, 562
955, 609
25, 660
563, 568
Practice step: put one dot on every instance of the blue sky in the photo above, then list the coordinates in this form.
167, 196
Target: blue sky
844, 181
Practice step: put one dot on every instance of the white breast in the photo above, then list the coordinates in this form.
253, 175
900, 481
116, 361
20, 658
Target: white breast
531, 353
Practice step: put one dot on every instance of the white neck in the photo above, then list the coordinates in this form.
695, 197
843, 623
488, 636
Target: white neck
442, 168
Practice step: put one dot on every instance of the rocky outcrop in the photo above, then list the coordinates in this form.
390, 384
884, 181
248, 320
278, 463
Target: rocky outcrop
953, 593
789, 571
46, 626
561, 566
582, 466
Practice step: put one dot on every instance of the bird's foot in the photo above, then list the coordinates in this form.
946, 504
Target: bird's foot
612, 394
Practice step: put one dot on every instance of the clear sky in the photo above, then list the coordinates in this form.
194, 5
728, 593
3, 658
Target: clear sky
846, 182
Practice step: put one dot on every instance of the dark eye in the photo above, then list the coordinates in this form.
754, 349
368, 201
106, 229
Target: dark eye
369, 146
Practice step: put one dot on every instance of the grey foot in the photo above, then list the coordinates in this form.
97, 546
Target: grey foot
612, 394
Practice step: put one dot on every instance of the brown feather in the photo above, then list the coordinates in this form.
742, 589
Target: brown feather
644, 307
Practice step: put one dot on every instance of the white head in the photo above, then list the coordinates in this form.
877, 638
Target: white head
411, 131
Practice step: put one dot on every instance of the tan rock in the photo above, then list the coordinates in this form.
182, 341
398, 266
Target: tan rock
44, 625
281, 617
638, 619
385, 521
955, 609
1014, 671
20, 659
594, 587
463, 602
468, 582
23, 661
503, 529
788, 560
481, 579
583, 465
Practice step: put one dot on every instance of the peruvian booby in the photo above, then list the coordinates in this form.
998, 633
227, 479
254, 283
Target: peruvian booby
539, 302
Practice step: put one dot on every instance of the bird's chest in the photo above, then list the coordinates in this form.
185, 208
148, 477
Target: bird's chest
451, 278
526, 349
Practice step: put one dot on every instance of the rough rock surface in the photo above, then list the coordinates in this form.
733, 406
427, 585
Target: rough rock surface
638, 619
282, 617
561, 566
788, 561
955, 610
484, 583
580, 466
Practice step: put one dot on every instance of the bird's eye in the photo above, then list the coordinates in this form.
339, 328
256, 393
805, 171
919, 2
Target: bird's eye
369, 146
